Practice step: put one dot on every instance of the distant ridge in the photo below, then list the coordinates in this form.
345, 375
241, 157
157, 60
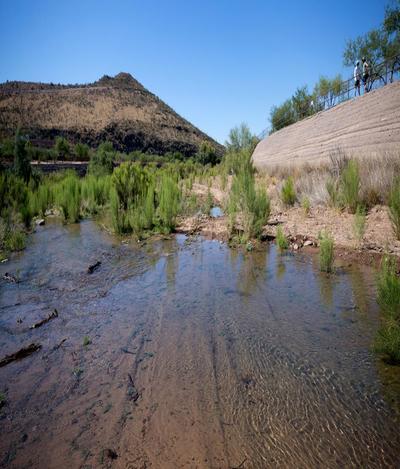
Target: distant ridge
118, 109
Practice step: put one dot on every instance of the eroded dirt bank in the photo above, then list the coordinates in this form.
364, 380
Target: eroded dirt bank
199, 356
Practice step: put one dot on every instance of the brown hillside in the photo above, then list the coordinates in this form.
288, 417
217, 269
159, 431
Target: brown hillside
118, 109
364, 126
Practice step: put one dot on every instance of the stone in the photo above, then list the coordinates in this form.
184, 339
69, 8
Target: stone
40, 222
308, 243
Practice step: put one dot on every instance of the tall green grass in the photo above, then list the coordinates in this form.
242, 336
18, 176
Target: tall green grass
394, 207
288, 192
281, 239
326, 253
67, 194
168, 202
350, 186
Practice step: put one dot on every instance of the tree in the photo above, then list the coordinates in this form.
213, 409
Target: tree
240, 138
282, 115
206, 153
101, 162
62, 147
302, 103
22, 164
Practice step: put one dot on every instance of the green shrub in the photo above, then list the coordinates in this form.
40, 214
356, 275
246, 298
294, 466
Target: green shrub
359, 223
81, 150
333, 192
61, 147
305, 203
394, 207
15, 240
350, 186
95, 192
387, 341
326, 253
281, 239
41, 199
68, 197
389, 288
102, 162
288, 193
22, 163
168, 203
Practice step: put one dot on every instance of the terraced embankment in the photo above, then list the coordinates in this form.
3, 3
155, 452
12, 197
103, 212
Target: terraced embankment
365, 126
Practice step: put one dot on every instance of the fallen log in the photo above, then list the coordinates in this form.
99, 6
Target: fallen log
51, 316
21, 353
93, 267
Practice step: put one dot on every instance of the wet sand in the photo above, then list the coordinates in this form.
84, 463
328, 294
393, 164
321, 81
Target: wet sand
200, 357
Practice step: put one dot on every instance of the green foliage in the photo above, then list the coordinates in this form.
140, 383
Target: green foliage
15, 240
68, 197
394, 207
359, 223
246, 203
206, 154
95, 193
288, 192
328, 90
389, 288
333, 192
101, 162
350, 186
61, 147
240, 138
305, 204
41, 199
86, 341
22, 164
282, 116
326, 253
168, 202
281, 239
81, 151
387, 341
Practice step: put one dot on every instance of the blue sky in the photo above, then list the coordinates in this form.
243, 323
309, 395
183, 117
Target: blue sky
217, 63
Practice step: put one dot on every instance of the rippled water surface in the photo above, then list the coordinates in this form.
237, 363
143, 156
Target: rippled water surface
199, 357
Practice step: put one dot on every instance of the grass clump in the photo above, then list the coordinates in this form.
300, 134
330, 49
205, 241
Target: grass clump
306, 205
387, 340
248, 206
326, 253
281, 239
168, 203
350, 186
86, 341
359, 223
288, 192
68, 197
15, 240
394, 207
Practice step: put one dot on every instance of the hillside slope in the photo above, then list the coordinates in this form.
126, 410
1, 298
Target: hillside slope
118, 109
367, 125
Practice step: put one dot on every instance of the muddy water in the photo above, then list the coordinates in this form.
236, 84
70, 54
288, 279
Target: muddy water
200, 357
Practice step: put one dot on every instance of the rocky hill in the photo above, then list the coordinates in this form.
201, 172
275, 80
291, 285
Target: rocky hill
118, 109
365, 126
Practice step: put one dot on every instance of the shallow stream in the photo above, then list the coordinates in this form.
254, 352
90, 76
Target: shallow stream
199, 357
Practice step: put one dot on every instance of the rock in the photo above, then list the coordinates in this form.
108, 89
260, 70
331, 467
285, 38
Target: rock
40, 222
295, 246
308, 243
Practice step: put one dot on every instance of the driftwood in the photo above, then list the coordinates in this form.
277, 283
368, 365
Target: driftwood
22, 353
132, 391
10, 278
51, 316
93, 267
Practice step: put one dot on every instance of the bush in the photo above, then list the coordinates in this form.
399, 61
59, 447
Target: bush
333, 192
387, 341
61, 147
288, 192
305, 203
206, 154
68, 197
394, 208
168, 203
22, 163
15, 240
81, 151
281, 239
102, 162
95, 192
359, 223
251, 204
389, 288
350, 186
326, 253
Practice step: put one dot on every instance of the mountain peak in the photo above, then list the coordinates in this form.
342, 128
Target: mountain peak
121, 80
